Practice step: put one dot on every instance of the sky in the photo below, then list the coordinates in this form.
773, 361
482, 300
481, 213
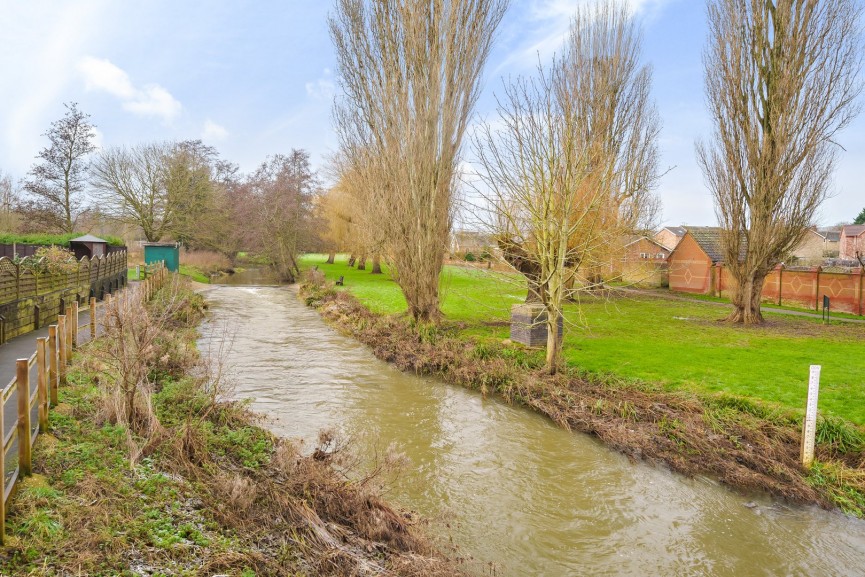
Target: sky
258, 78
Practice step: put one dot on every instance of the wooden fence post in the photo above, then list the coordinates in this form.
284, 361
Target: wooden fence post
61, 348
53, 373
42, 382
92, 318
74, 328
23, 382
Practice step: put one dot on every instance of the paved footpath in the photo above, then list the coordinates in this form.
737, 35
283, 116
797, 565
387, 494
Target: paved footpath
768, 308
23, 347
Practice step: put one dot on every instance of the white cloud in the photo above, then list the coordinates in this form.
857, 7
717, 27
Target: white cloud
322, 88
149, 100
213, 132
103, 75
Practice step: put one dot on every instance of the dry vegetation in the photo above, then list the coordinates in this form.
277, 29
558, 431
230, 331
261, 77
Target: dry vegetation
149, 469
745, 444
208, 262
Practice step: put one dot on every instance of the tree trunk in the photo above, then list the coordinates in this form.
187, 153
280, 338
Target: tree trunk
746, 300
351, 260
554, 344
376, 264
330, 257
361, 263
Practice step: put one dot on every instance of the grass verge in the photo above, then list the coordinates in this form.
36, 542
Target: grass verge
745, 443
148, 469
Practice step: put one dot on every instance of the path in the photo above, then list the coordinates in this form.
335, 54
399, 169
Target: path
22, 347
768, 308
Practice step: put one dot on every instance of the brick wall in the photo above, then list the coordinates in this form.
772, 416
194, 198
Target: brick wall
793, 287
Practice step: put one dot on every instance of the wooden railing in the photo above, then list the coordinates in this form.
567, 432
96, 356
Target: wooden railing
51, 359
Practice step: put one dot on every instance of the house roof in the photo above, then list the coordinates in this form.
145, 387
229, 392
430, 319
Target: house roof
833, 235
88, 238
676, 230
709, 239
638, 238
853, 230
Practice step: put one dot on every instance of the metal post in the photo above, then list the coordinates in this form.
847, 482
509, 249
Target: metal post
23, 382
809, 427
42, 381
92, 318
53, 373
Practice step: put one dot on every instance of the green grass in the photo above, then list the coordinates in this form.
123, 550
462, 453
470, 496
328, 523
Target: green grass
194, 273
677, 344
772, 309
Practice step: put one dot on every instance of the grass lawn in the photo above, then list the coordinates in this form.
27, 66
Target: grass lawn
678, 344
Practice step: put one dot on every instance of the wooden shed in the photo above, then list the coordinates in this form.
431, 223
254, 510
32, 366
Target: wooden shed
89, 246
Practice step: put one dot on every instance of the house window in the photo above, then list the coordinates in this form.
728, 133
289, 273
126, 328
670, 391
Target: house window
661, 255
643, 255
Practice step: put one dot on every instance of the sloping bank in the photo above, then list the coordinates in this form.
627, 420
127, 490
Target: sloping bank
746, 445
147, 469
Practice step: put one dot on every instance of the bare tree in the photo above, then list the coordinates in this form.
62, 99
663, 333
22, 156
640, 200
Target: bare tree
410, 72
57, 183
283, 192
781, 81
130, 185
9, 202
570, 169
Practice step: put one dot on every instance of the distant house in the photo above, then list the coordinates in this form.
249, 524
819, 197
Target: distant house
644, 262
469, 241
852, 241
692, 263
816, 246
669, 236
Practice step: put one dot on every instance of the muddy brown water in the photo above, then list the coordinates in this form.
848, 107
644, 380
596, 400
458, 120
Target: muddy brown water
507, 486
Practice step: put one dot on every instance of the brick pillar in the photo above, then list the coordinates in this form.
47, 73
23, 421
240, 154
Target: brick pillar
817, 288
859, 274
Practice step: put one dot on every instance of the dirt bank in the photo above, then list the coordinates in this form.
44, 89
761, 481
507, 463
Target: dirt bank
747, 445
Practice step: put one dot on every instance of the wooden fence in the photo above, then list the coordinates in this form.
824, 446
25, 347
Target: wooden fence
53, 355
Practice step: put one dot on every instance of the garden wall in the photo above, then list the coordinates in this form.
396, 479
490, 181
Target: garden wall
803, 287
30, 299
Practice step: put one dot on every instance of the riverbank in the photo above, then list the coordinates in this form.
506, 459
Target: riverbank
744, 443
148, 469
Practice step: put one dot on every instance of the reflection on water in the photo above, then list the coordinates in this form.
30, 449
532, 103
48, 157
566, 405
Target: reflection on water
522, 493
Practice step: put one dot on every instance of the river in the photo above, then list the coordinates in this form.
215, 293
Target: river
506, 485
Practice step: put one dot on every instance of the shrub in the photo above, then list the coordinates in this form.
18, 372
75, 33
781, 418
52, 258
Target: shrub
470, 257
51, 260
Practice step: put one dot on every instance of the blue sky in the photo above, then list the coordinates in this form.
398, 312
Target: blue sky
257, 78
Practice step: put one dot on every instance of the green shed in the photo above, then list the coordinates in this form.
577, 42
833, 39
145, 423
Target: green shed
167, 251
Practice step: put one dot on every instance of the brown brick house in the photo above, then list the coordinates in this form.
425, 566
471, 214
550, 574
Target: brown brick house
669, 236
852, 241
644, 262
692, 263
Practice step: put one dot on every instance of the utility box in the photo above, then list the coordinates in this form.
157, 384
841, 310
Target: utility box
163, 251
529, 325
